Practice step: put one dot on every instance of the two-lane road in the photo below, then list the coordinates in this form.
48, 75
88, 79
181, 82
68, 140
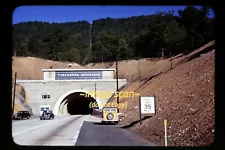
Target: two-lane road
61, 131
76, 130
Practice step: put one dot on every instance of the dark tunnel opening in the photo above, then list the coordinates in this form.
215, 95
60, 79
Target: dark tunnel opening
78, 104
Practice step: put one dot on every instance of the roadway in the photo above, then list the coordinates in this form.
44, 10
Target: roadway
80, 130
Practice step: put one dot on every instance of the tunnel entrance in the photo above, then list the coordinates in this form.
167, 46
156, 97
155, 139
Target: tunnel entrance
76, 104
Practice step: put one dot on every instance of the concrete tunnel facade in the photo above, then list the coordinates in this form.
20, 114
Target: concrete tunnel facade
63, 86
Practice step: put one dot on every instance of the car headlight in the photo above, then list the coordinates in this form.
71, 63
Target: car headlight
109, 116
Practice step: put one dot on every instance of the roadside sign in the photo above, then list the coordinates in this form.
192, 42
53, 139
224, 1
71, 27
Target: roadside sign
148, 105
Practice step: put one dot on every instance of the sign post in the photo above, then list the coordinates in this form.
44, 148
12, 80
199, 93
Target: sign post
95, 91
165, 124
140, 109
117, 84
14, 93
171, 61
146, 106
139, 72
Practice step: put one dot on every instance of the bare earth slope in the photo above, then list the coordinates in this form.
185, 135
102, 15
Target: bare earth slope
30, 68
184, 97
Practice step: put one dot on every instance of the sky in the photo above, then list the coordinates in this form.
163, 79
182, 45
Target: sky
60, 14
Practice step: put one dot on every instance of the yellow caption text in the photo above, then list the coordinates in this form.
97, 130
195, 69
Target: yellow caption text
118, 105
109, 94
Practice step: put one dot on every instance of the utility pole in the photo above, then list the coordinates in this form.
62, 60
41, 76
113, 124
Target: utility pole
162, 53
95, 91
139, 72
117, 86
171, 61
14, 92
15, 49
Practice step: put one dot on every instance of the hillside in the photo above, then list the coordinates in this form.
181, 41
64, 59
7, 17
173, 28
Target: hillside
184, 94
108, 39
184, 97
30, 68
127, 69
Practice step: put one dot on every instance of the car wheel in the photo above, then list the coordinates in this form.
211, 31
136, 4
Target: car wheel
109, 116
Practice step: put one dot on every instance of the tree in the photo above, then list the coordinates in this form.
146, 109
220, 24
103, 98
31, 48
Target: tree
99, 52
111, 42
195, 22
88, 56
15, 45
75, 55
53, 41
34, 45
172, 36
133, 37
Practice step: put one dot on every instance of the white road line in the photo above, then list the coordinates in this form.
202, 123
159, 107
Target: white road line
77, 133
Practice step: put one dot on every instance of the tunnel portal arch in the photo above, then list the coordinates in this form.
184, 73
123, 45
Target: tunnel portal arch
62, 102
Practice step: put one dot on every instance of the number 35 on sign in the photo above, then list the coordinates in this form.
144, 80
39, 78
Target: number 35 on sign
147, 105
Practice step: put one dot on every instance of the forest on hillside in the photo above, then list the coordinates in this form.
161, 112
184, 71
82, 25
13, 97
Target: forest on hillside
110, 39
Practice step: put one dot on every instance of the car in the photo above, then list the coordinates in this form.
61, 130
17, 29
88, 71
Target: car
47, 115
110, 115
21, 115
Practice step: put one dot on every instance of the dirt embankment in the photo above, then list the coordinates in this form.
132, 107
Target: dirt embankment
20, 96
184, 97
30, 68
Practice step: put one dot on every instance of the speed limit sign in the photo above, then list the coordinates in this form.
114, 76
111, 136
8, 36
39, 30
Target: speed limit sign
147, 104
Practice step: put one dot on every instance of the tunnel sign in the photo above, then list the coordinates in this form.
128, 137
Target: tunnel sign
147, 105
78, 75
